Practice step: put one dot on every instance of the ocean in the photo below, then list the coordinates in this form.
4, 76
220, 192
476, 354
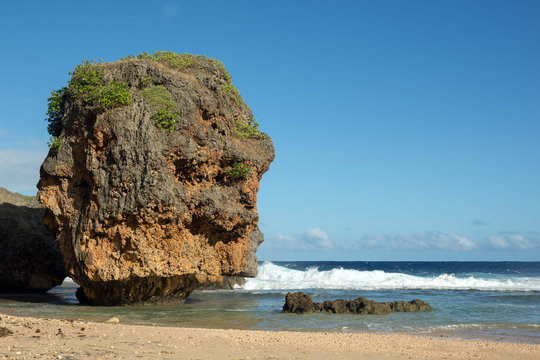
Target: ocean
497, 301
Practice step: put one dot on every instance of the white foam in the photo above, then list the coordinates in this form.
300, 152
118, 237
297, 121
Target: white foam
68, 282
274, 277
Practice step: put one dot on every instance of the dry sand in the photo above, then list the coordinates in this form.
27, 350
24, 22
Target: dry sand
35, 338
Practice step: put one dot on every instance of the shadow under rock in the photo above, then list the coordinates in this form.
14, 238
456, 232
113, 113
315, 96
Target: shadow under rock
36, 298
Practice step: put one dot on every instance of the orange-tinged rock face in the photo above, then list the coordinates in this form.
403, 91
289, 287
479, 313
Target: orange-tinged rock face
142, 213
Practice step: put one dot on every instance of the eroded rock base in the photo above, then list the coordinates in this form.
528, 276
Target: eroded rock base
137, 291
226, 283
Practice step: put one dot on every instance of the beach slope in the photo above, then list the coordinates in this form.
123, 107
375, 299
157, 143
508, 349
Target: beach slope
34, 338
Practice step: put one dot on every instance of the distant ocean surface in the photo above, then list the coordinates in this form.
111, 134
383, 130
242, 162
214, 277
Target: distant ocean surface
498, 301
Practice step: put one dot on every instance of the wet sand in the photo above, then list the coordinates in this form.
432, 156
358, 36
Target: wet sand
35, 338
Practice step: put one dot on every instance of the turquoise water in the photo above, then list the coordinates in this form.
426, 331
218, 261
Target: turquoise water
496, 301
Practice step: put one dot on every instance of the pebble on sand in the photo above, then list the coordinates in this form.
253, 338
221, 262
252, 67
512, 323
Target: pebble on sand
113, 320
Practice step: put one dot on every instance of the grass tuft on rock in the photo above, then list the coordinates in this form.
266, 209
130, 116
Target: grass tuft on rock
158, 96
160, 99
248, 129
189, 62
88, 84
238, 171
166, 119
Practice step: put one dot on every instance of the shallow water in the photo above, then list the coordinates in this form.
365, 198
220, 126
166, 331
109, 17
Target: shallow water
495, 301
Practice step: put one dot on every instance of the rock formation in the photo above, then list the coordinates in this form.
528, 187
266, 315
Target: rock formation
302, 303
30, 260
151, 183
227, 283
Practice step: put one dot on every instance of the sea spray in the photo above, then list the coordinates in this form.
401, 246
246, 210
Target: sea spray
275, 277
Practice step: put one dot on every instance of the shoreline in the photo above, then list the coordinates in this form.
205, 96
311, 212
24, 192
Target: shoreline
451, 332
46, 338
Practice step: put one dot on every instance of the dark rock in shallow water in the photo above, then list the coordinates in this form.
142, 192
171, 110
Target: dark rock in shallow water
302, 303
30, 260
414, 305
155, 196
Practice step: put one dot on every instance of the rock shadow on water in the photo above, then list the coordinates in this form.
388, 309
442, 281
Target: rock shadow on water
36, 298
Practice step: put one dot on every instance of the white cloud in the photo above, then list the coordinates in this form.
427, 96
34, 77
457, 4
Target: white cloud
282, 239
498, 241
434, 240
513, 240
418, 241
311, 239
19, 169
317, 237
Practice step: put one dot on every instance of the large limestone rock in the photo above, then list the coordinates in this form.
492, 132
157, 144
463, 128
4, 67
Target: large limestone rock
144, 212
30, 260
302, 303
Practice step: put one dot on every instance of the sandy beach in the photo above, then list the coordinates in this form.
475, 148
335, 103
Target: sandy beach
35, 338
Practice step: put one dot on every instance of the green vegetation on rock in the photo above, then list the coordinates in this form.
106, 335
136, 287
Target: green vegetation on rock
166, 119
232, 92
145, 80
173, 60
54, 143
186, 62
238, 171
249, 129
88, 83
159, 98
115, 94
26, 196
55, 111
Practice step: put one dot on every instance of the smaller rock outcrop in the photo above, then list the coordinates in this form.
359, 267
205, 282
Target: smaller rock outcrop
302, 303
30, 259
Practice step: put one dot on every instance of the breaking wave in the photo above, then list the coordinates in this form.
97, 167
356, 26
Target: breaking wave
275, 277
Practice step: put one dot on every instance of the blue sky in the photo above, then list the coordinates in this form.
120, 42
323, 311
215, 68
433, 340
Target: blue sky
404, 130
